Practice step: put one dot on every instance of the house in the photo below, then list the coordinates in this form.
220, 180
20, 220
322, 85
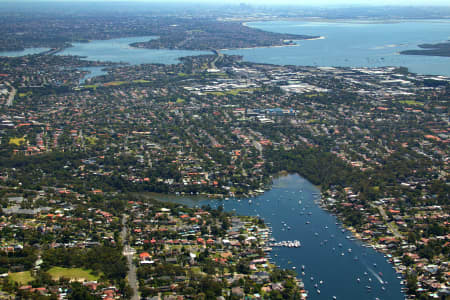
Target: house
144, 257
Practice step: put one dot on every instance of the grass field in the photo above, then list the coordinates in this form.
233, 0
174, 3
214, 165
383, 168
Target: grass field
232, 92
17, 141
21, 277
72, 273
115, 83
411, 102
92, 140
29, 93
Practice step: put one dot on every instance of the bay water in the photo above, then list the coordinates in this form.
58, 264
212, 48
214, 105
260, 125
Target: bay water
332, 259
355, 44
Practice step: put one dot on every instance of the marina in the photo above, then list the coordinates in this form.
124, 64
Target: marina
289, 244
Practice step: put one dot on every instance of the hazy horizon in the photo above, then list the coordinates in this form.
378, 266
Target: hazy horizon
263, 2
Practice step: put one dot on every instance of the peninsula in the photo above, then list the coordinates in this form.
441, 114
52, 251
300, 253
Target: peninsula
440, 49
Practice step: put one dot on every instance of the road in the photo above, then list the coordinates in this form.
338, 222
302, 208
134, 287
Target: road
129, 252
386, 219
12, 94
219, 56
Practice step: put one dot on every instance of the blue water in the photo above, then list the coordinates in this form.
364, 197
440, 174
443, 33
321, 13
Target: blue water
320, 254
119, 50
93, 72
355, 45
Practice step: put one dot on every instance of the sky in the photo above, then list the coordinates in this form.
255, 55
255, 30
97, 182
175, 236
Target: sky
277, 2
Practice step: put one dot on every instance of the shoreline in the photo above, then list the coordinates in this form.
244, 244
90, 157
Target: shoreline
276, 46
344, 21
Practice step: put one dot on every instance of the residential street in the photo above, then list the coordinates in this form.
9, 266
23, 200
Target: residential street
129, 252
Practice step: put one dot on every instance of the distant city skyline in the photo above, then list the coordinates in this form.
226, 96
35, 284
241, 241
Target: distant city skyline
270, 2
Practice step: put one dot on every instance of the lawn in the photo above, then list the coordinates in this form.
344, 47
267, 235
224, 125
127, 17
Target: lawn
17, 141
72, 273
233, 92
21, 277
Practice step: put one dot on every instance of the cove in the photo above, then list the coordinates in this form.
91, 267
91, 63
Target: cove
120, 51
328, 252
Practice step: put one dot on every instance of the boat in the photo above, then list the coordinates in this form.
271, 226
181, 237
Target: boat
358, 280
334, 298
303, 267
349, 250
318, 291
312, 278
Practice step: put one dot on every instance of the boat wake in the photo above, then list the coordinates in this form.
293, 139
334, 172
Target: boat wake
376, 275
